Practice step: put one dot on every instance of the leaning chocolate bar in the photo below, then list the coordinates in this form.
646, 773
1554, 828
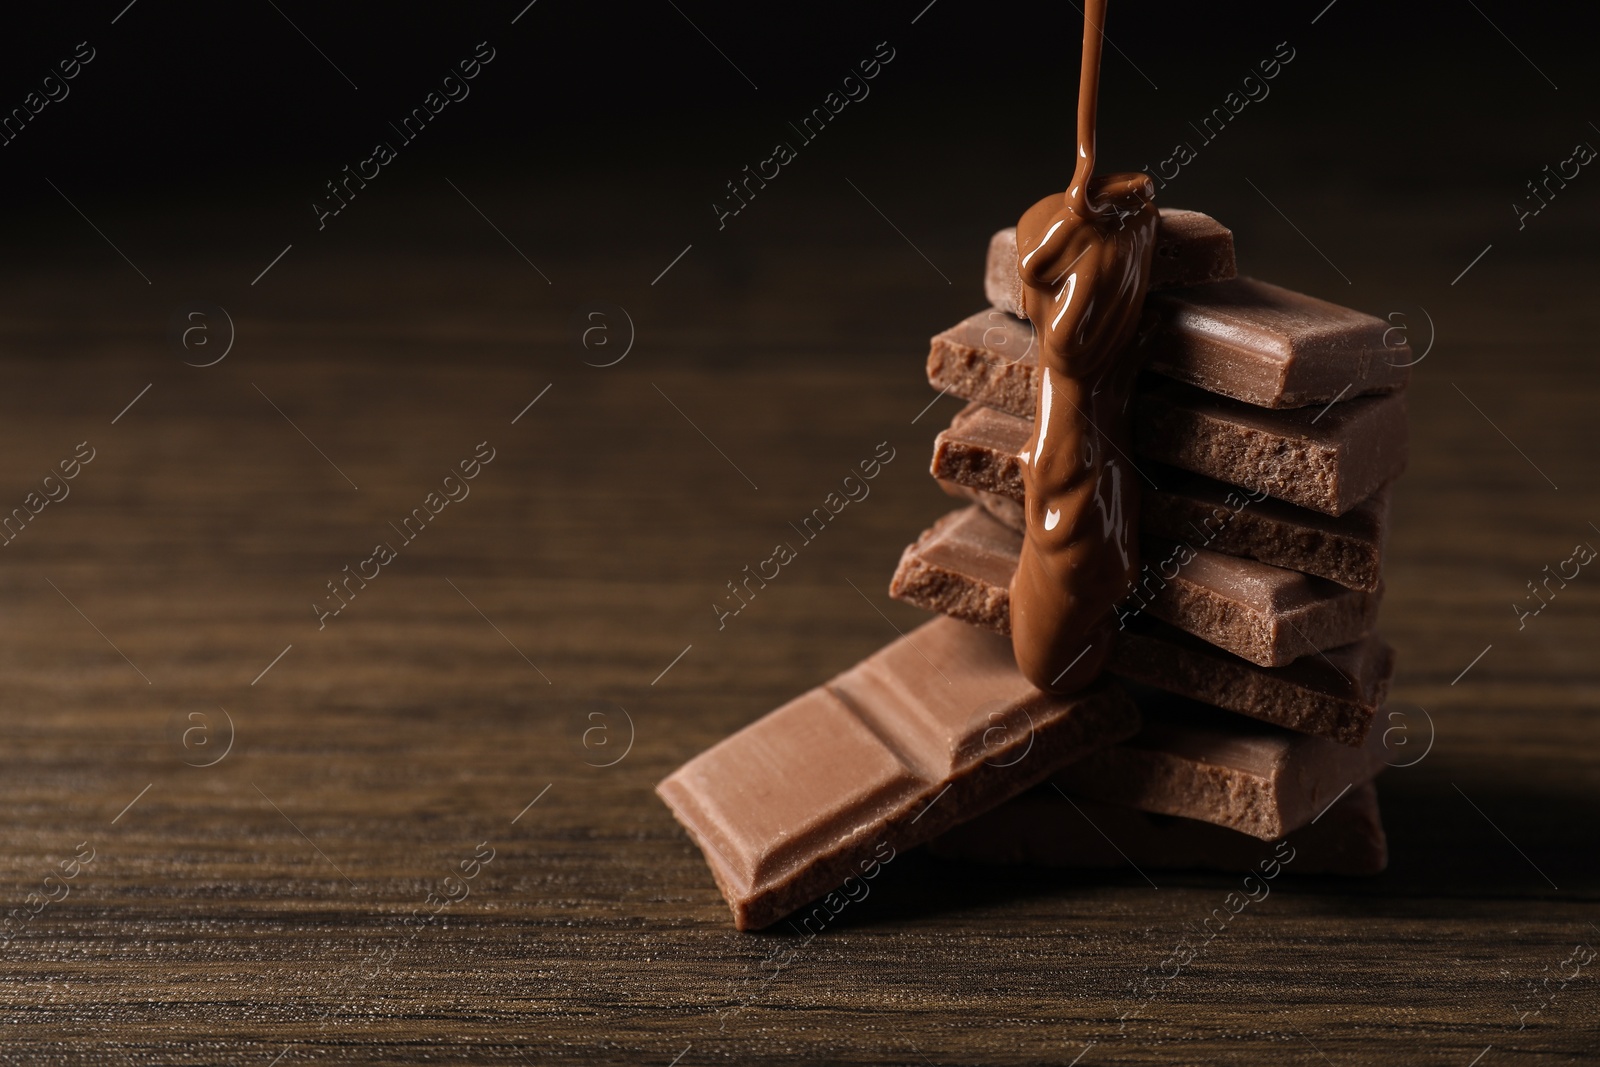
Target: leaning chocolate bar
1044, 827
932, 730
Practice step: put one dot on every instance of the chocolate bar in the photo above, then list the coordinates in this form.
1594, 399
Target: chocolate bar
1329, 464
1328, 460
1333, 694
1269, 346
1045, 828
926, 733
1245, 339
1347, 549
982, 449
962, 567
1191, 249
1006, 511
1187, 507
1201, 763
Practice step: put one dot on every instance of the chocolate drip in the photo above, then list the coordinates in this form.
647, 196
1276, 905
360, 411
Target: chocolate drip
1084, 257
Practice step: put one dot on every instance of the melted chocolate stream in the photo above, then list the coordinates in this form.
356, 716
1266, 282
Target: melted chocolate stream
1084, 256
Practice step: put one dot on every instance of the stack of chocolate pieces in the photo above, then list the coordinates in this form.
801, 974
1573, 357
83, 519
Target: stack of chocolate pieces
1268, 428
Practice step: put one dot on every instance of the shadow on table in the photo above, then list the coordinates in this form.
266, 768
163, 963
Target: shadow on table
1447, 838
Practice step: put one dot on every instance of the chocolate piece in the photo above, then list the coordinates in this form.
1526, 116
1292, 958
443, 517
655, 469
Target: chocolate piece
1003, 509
1328, 460
982, 449
926, 733
1328, 465
1270, 346
1270, 616
961, 566
1191, 249
991, 358
1001, 282
1347, 549
1044, 828
1244, 339
1187, 507
1202, 763
1333, 694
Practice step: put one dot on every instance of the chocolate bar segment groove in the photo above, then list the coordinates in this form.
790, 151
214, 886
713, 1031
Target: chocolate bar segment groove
961, 567
1192, 248
929, 731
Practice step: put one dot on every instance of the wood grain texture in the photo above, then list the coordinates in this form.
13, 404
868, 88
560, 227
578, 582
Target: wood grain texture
256, 908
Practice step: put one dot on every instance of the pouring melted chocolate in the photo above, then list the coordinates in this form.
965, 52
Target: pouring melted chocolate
1084, 256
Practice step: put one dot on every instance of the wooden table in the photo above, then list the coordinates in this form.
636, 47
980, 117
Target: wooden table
268, 798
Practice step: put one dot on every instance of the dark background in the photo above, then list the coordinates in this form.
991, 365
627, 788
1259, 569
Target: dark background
214, 127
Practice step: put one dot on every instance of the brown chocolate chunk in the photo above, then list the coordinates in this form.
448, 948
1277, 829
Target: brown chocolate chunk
1347, 549
1001, 282
1245, 339
1328, 460
1333, 694
1187, 507
1044, 828
982, 449
1202, 763
1268, 615
990, 358
1006, 511
1270, 346
962, 567
1191, 249
928, 732
1329, 465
